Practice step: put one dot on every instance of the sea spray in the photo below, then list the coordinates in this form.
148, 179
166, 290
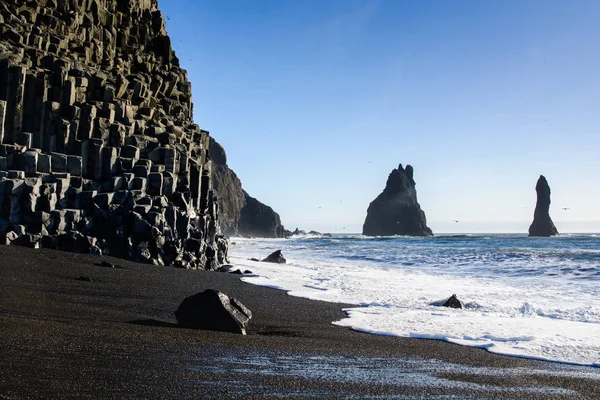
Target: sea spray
527, 297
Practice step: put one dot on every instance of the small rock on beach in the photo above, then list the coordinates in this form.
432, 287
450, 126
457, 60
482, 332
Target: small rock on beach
275, 257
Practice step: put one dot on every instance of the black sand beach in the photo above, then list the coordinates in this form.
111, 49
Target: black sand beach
116, 337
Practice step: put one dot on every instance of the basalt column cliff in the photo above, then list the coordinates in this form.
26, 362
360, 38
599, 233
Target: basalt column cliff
99, 152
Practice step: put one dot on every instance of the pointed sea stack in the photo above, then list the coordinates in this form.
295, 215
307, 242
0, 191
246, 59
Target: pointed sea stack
542, 224
396, 210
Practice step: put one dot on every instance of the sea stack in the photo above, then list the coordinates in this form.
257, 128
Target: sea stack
542, 224
396, 210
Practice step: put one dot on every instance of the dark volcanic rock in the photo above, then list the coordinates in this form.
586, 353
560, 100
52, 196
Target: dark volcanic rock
298, 232
259, 220
239, 213
99, 152
105, 264
275, 257
542, 224
228, 188
453, 302
396, 210
224, 268
214, 311
231, 199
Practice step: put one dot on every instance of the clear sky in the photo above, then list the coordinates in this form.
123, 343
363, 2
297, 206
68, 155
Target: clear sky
316, 101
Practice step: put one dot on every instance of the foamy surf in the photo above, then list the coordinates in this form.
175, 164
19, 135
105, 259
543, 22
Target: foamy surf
517, 300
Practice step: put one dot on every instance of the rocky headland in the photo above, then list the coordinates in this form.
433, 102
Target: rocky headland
542, 224
239, 213
99, 151
396, 210
98, 148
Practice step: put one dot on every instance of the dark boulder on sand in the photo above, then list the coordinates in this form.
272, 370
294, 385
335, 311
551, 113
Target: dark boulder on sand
275, 257
214, 311
225, 268
542, 224
453, 302
396, 210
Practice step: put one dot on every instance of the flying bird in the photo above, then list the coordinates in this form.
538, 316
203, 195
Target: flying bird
565, 208
456, 220
168, 17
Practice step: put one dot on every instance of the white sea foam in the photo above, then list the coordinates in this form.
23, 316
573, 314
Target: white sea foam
550, 318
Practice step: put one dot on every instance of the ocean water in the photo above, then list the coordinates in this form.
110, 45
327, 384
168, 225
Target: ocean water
530, 297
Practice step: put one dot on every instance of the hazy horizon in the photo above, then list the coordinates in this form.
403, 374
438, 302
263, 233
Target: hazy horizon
315, 102
468, 228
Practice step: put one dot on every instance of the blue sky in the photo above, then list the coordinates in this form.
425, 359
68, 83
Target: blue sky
316, 102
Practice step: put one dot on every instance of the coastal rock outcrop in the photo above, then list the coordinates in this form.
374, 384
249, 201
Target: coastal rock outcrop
275, 257
214, 311
453, 302
298, 232
98, 149
396, 210
239, 213
259, 220
542, 224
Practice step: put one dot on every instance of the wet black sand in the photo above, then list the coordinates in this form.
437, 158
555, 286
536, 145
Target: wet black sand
115, 337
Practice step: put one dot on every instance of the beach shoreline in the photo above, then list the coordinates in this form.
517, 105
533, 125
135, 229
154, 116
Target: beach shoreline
74, 329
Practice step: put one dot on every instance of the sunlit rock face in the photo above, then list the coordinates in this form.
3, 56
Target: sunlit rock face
99, 151
542, 224
396, 210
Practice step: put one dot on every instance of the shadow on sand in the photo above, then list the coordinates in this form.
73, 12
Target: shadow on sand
154, 322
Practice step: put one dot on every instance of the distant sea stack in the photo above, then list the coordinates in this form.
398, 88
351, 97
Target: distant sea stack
239, 213
542, 224
396, 210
